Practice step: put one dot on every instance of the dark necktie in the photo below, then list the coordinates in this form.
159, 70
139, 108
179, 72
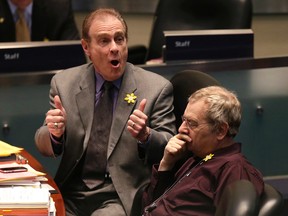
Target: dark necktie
22, 30
94, 168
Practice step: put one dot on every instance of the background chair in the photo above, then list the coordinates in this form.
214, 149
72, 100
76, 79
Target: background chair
137, 203
185, 83
191, 15
271, 203
239, 198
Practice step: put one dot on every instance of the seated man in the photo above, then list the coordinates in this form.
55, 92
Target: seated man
37, 20
210, 122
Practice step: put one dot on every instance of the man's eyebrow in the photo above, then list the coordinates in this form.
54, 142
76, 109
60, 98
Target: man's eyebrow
119, 33
190, 119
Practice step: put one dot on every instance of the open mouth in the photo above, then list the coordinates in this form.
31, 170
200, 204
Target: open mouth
114, 62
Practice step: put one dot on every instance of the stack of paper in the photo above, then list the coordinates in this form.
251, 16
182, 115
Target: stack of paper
30, 174
7, 149
22, 193
24, 197
10, 157
24, 200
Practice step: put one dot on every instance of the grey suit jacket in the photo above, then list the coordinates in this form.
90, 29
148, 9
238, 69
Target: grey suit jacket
76, 88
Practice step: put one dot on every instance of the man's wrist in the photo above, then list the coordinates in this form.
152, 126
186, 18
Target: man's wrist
56, 140
146, 136
164, 166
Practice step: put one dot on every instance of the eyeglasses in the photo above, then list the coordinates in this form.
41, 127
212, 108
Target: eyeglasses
191, 124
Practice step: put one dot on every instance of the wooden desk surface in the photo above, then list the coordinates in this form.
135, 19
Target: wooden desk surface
57, 197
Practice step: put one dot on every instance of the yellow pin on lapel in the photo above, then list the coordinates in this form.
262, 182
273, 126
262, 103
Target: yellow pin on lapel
2, 19
208, 157
130, 98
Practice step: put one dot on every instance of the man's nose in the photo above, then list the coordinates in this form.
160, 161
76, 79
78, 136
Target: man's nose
114, 47
183, 127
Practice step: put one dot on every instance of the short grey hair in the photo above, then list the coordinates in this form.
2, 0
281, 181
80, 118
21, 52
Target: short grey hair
223, 106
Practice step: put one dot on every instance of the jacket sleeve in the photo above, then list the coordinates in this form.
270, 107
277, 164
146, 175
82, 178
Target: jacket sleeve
160, 182
162, 124
42, 136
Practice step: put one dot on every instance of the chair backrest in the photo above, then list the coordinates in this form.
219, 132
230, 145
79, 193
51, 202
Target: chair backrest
184, 84
271, 203
197, 15
239, 198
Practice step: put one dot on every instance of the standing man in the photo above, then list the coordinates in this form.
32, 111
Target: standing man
141, 125
40, 20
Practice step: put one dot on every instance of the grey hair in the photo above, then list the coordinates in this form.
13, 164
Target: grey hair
223, 106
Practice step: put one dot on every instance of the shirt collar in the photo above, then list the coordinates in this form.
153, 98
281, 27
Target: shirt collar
28, 10
100, 80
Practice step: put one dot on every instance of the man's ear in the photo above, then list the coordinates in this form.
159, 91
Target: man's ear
84, 44
222, 131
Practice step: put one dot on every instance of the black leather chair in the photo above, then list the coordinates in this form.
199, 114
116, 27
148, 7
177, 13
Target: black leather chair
191, 15
240, 198
137, 203
271, 203
184, 84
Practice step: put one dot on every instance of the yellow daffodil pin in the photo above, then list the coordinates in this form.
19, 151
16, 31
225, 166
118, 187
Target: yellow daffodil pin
130, 98
208, 157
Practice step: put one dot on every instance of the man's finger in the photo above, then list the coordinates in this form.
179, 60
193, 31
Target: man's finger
142, 105
58, 103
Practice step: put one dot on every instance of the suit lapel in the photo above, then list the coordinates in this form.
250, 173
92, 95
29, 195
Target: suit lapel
85, 100
39, 21
7, 26
123, 109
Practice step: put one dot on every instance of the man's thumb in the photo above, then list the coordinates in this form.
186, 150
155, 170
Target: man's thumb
142, 105
57, 102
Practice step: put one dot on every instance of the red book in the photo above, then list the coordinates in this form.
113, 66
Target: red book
24, 212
